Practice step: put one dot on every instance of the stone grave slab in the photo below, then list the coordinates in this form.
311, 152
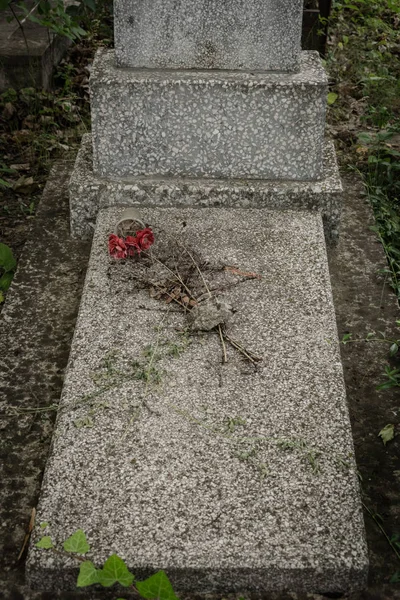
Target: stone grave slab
208, 123
231, 477
89, 193
208, 34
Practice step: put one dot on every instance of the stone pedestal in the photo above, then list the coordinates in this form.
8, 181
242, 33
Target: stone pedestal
89, 193
208, 123
246, 128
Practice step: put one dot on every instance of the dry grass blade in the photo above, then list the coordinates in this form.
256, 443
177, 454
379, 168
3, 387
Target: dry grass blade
221, 335
175, 274
200, 272
28, 533
249, 355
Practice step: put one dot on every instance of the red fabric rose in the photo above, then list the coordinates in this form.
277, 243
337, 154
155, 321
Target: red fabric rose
132, 245
117, 247
145, 238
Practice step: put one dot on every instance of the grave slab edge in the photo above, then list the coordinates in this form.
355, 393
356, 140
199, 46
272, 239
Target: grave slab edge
42, 568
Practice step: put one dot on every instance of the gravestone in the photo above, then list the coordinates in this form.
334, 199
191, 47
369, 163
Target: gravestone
167, 125
203, 34
221, 453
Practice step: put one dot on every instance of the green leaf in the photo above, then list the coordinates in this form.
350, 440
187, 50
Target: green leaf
77, 543
115, 571
332, 97
156, 587
395, 578
5, 281
7, 260
45, 543
346, 338
88, 574
387, 433
394, 348
3, 182
90, 4
44, 525
1, 297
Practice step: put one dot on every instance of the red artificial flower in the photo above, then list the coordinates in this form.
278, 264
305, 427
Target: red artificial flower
145, 238
132, 245
116, 246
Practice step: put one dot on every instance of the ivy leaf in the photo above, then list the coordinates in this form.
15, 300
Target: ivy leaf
395, 578
3, 182
387, 433
156, 587
77, 543
332, 97
45, 543
7, 260
115, 571
6, 279
88, 574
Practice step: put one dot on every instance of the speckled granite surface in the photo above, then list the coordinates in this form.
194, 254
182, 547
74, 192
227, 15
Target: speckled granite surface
208, 34
89, 193
208, 123
165, 491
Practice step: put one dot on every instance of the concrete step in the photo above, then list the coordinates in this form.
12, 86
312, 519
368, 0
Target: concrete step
89, 192
208, 34
208, 123
232, 477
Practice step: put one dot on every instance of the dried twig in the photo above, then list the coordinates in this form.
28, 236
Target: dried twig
249, 355
224, 359
173, 299
176, 274
28, 533
196, 265
247, 274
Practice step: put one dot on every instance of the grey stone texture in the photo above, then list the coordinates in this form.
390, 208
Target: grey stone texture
160, 478
36, 327
208, 123
89, 193
208, 34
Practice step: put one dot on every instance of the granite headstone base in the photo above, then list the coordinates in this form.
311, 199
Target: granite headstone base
208, 123
89, 193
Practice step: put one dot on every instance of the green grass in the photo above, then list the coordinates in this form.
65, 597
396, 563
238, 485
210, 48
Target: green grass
364, 65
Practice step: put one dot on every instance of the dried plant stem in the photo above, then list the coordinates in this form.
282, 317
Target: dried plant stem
249, 355
224, 359
175, 274
200, 272
170, 296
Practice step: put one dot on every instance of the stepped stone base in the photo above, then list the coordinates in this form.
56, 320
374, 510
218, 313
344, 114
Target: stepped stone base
203, 34
230, 477
89, 193
208, 123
